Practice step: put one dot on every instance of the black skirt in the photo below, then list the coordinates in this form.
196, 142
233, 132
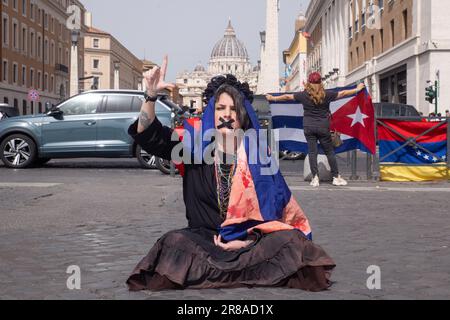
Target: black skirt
189, 259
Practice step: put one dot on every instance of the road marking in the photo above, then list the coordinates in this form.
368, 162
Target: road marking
370, 189
28, 185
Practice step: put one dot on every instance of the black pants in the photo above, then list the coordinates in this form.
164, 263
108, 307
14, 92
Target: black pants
323, 135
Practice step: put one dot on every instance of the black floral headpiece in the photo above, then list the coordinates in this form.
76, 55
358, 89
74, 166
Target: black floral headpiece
229, 79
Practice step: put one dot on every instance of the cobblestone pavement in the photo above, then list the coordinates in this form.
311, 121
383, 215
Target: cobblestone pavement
104, 217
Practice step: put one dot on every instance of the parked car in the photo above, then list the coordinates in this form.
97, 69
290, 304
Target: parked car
6, 111
395, 110
91, 124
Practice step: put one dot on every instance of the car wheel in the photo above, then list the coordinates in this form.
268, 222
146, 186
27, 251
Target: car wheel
164, 166
18, 151
146, 160
282, 155
296, 156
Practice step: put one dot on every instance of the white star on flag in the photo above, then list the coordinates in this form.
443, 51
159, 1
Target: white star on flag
444, 157
358, 117
435, 159
419, 153
426, 157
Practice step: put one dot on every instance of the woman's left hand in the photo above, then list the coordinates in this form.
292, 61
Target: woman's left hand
232, 245
360, 87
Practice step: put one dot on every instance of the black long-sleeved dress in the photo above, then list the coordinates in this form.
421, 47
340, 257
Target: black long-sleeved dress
189, 258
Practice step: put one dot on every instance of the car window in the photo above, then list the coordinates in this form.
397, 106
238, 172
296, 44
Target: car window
82, 104
118, 103
160, 108
137, 105
386, 111
403, 111
411, 111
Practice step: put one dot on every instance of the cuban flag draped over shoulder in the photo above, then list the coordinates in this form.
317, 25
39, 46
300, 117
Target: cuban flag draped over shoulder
353, 117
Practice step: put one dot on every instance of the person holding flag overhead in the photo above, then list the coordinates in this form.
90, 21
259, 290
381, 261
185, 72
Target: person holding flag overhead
245, 228
316, 122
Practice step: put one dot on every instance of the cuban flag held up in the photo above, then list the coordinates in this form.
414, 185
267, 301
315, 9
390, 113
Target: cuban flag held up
353, 117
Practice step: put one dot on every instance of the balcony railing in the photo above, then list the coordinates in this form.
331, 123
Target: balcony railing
62, 68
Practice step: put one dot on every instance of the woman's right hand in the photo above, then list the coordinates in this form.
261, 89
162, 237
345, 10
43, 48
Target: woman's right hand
155, 79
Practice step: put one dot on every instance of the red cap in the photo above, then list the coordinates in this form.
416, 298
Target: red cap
315, 78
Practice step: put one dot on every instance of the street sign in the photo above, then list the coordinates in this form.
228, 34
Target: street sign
33, 95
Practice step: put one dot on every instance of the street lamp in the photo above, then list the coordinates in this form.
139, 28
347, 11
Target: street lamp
75, 34
262, 34
74, 81
116, 65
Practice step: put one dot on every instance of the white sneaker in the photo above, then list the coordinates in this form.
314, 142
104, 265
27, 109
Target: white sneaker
339, 181
315, 182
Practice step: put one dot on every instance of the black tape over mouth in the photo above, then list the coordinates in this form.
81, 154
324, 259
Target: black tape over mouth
226, 124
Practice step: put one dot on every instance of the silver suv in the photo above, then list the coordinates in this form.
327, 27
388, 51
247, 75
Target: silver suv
91, 124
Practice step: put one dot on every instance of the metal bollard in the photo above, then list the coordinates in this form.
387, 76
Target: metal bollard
369, 167
172, 166
354, 160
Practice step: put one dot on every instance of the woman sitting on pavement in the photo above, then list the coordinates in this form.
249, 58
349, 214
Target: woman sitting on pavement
245, 228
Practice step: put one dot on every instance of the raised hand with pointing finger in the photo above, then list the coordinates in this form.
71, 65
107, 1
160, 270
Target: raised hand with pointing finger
155, 82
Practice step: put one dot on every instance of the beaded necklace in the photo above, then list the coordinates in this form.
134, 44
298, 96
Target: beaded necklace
224, 177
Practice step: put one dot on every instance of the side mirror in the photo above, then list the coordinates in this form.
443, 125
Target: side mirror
54, 112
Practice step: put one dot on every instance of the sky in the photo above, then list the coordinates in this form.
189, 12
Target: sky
187, 30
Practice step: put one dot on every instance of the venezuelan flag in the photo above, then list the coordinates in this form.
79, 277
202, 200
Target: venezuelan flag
424, 160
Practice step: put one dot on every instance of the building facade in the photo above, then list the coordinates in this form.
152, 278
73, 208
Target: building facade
295, 59
108, 64
35, 52
328, 44
229, 56
380, 55
394, 46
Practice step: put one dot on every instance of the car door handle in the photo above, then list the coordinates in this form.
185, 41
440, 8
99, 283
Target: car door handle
90, 123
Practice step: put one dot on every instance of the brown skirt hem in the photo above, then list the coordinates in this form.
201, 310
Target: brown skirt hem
281, 259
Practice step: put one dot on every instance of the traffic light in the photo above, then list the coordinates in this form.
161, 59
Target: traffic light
430, 94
